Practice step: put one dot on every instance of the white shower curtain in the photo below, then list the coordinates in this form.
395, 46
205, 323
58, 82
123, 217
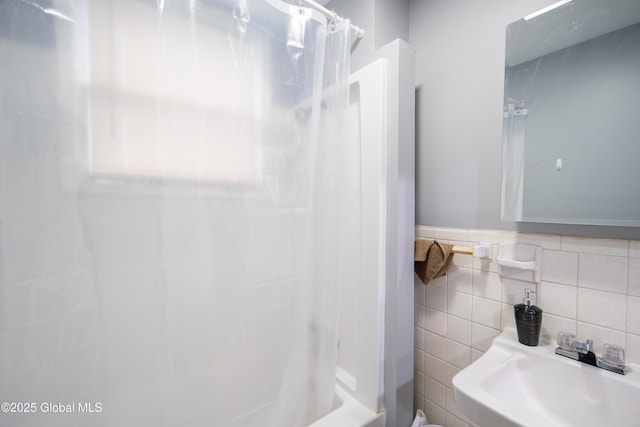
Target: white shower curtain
170, 211
513, 153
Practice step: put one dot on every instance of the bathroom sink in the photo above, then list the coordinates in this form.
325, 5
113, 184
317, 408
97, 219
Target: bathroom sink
516, 385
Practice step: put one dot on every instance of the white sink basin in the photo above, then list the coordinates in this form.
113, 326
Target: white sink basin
516, 385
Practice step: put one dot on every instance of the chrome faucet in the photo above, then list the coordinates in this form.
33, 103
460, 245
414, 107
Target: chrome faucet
583, 347
612, 358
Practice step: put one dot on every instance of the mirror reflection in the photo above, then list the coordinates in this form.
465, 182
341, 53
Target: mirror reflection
571, 136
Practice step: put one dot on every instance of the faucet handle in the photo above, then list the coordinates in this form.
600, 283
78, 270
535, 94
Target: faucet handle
613, 354
565, 340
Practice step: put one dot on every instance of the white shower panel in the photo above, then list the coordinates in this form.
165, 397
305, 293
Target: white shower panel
375, 358
361, 355
360, 372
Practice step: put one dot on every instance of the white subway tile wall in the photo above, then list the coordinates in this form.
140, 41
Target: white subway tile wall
590, 286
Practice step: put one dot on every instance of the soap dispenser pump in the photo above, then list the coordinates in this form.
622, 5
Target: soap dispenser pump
528, 320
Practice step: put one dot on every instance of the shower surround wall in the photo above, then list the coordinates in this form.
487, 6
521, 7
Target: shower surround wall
590, 286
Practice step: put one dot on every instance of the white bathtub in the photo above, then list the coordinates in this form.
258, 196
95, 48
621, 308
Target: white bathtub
348, 412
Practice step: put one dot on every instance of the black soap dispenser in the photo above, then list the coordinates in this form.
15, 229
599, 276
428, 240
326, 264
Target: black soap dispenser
528, 320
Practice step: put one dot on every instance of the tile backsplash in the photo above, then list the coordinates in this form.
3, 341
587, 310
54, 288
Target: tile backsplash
590, 286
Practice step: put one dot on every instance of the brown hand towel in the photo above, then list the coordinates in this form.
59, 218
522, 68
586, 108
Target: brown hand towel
431, 259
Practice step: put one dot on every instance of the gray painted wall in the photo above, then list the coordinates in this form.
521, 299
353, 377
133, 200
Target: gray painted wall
459, 92
459, 84
383, 21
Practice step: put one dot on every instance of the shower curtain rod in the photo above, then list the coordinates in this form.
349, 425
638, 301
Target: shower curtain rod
358, 32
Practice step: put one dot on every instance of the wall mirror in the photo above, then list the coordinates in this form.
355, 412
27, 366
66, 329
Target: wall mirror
571, 135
